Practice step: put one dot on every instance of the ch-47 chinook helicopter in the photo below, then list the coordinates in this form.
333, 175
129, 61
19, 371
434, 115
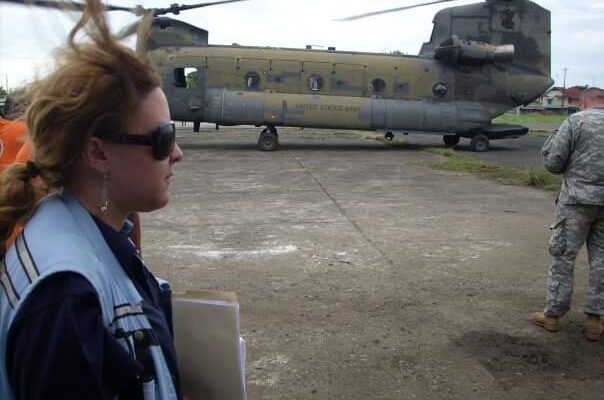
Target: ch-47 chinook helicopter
482, 60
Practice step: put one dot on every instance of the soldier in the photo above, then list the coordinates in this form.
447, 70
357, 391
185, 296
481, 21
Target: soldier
576, 150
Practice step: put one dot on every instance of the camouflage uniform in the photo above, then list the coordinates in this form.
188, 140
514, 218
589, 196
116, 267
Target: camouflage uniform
577, 151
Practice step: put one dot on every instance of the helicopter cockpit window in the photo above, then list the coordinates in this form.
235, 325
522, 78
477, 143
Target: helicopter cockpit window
440, 90
252, 80
185, 77
315, 82
378, 86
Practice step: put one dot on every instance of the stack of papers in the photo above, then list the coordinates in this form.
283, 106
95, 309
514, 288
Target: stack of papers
211, 353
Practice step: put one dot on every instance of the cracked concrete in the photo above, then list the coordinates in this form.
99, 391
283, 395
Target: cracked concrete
363, 275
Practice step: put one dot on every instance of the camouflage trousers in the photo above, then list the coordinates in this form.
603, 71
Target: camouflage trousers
574, 225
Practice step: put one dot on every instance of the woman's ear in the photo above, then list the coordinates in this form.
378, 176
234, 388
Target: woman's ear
95, 155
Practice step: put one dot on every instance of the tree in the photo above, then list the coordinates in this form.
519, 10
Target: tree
3, 92
192, 80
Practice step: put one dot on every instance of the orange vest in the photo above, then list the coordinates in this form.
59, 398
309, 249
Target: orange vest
13, 135
24, 154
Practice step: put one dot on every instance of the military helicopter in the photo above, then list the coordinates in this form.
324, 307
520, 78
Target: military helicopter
481, 60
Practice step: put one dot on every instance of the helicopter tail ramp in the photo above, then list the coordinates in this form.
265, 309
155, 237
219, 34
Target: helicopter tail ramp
521, 23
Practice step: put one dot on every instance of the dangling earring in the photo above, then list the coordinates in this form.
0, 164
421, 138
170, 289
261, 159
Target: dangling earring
104, 198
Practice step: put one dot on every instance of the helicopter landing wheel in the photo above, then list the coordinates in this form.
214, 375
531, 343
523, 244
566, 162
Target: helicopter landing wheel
479, 143
270, 129
389, 136
268, 140
451, 140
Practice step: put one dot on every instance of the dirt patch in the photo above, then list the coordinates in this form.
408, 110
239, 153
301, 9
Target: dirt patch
509, 357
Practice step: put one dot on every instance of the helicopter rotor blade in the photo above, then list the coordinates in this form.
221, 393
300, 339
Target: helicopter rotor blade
138, 10
128, 30
371, 14
64, 5
177, 8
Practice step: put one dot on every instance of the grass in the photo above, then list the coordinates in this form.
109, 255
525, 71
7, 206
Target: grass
532, 119
524, 119
533, 177
543, 134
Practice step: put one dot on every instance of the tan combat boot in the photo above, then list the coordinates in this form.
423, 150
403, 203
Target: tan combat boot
551, 324
593, 329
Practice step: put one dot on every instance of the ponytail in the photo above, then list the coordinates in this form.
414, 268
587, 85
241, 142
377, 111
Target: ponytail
20, 190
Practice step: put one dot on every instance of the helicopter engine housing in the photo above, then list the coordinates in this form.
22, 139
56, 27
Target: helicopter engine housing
455, 51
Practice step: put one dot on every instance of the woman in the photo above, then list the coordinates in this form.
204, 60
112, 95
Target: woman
80, 315
24, 155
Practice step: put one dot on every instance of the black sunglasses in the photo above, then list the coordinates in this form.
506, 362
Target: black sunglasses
161, 140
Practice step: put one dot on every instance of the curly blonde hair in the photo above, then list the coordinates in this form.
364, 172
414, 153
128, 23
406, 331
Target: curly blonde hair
94, 88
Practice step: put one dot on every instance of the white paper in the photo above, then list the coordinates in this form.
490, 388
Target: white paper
211, 353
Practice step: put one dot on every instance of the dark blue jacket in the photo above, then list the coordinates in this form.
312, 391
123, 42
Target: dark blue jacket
58, 339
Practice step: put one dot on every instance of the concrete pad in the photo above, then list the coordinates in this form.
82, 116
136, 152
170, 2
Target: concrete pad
362, 274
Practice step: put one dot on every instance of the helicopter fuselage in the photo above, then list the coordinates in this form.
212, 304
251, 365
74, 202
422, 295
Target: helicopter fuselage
232, 85
482, 60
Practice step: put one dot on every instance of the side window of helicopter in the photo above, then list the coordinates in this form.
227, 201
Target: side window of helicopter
179, 78
377, 86
251, 80
185, 77
315, 82
440, 89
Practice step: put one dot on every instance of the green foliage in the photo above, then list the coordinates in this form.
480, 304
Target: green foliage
543, 134
3, 92
524, 119
548, 122
192, 80
534, 177
543, 179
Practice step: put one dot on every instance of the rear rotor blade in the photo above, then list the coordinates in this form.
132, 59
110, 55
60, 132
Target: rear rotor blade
371, 14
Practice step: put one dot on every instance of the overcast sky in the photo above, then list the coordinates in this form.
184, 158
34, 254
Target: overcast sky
28, 35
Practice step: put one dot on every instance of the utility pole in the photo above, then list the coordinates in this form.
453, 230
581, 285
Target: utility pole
564, 86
